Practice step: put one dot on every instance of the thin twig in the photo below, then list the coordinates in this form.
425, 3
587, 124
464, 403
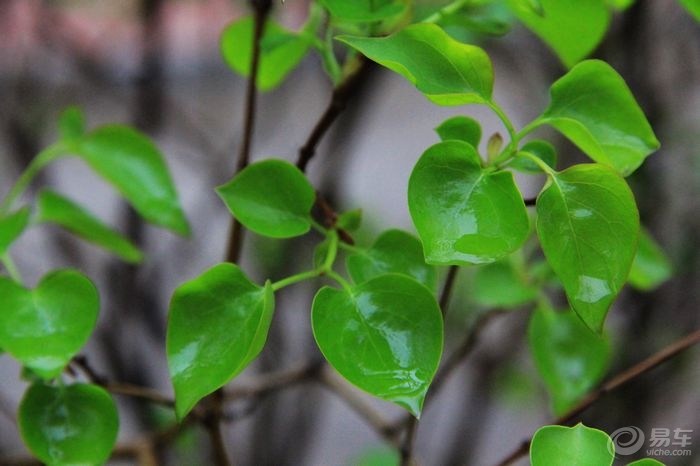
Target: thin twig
340, 388
616, 382
447, 288
406, 450
339, 101
261, 9
273, 381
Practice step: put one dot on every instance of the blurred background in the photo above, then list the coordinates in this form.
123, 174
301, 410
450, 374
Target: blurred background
156, 64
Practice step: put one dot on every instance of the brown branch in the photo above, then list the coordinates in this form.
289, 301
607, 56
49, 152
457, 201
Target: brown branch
406, 450
339, 101
447, 288
274, 381
261, 9
340, 388
616, 382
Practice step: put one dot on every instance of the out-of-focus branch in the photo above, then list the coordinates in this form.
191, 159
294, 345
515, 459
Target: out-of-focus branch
619, 380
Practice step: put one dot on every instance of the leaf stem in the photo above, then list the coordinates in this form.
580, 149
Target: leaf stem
296, 278
540, 163
11, 268
341, 281
448, 9
35, 166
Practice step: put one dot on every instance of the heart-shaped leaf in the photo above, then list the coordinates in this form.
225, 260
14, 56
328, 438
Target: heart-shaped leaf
60, 210
571, 446
363, 11
68, 425
131, 162
395, 251
570, 358
572, 28
646, 462
446, 71
280, 51
217, 325
463, 213
12, 226
588, 226
461, 128
650, 267
271, 197
543, 150
45, 327
593, 107
384, 335
500, 285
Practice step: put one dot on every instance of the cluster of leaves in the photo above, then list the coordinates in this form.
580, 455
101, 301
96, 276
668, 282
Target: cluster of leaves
46, 326
381, 327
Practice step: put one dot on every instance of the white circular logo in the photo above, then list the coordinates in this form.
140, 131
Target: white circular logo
626, 440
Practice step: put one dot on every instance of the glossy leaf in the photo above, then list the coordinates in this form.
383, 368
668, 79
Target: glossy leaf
395, 251
572, 28
71, 123
60, 210
571, 446
446, 71
280, 51
463, 213
623, 4
69, 425
499, 285
588, 226
543, 150
461, 128
45, 327
593, 107
272, 198
570, 359
650, 267
384, 335
12, 226
693, 7
490, 18
363, 11
217, 325
133, 164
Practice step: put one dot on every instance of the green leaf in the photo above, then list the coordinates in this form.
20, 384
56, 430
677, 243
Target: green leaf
446, 71
593, 107
69, 425
62, 211
378, 456
384, 335
71, 123
650, 267
45, 327
363, 11
499, 285
571, 446
623, 4
572, 28
646, 462
543, 150
588, 226
395, 251
217, 325
272, 198
570, 359
133, 164
464, 214
350, 220
484, 17
693, 7
12, 226
280, 51
461, 128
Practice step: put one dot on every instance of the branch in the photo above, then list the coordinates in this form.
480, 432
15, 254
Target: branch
619, 380
261, 9
273, 381
339, 101
367, 412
